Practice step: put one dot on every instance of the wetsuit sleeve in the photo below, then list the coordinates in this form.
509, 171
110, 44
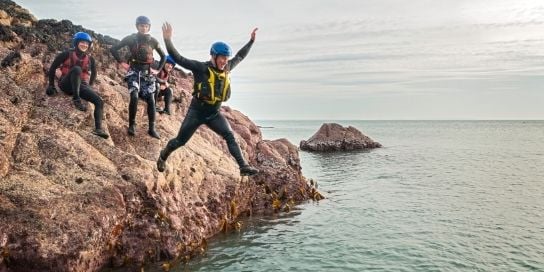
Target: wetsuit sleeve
240, 55
93, 71
59, 59
161, 53
160, 80
193, 65
115, 49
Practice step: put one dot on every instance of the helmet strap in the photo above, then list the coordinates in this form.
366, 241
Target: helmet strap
214, 57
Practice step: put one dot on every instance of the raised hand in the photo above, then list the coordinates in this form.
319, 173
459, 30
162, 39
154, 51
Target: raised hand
254, 33
167, 30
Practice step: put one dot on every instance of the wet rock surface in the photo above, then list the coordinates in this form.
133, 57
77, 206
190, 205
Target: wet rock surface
72, 201
333, 137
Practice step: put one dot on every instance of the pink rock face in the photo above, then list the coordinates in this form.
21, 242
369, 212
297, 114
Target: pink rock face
333, 137
72, 201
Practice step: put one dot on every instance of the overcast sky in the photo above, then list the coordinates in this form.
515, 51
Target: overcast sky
353, 59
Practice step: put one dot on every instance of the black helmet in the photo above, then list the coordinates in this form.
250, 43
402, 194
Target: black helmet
142, 20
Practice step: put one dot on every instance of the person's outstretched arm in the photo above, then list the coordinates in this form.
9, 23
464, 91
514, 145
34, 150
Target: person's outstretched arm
193, 65
242, 53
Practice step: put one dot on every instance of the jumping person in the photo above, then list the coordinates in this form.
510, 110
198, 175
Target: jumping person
78, 73
139, 77
163, 87
211, 88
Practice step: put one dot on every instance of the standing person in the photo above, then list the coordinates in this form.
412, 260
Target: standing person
163, 87
78, 73
140, 80
211, 88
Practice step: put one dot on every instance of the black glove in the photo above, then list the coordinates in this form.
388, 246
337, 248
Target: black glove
51, 90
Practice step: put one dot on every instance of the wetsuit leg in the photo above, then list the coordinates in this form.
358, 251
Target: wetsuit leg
75, 79
71, 82
168, 93
190, 124
157, 95
132, 106
88, 94
65, 85
220, 126
151, 111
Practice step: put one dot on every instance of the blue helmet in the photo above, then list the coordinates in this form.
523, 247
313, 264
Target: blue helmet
81, 36
220, 49
171, 60
142, 20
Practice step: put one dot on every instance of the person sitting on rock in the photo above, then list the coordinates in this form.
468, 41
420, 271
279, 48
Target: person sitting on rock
140, 78
78, 73
211, 88
163, 87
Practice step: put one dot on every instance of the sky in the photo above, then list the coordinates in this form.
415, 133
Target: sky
352, 59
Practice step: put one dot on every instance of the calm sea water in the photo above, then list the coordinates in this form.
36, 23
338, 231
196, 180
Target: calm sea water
440, 196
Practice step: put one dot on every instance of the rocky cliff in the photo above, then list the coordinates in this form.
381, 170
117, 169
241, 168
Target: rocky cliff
71, 201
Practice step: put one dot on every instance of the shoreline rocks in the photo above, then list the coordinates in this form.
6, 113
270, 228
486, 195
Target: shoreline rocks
72, 201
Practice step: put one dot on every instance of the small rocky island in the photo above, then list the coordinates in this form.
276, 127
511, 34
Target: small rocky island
333, 137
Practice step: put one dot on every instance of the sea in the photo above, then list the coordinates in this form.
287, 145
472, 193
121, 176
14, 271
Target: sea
439, 196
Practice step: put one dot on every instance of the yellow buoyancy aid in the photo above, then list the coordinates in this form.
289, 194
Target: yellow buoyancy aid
216, 89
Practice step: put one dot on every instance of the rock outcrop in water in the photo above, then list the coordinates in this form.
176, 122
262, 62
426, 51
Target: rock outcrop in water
333, 137
71, 201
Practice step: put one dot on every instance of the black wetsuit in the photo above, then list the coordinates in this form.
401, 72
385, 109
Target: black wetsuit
200, 112
72, 83
139, 79
162, 78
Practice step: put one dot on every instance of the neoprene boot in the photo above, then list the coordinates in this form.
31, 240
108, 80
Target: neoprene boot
132, 128
79, 105
152, 132
247, 170
101, 133
161, 163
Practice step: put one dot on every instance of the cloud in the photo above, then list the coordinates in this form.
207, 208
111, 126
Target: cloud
368, 54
